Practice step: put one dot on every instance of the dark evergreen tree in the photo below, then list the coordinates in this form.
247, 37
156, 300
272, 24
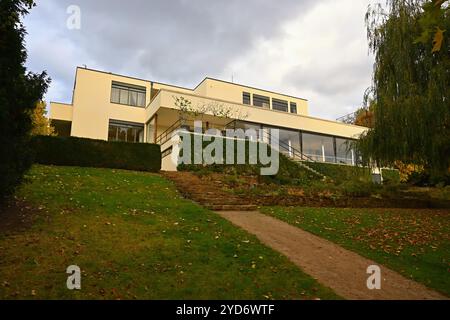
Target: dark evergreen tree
20, 91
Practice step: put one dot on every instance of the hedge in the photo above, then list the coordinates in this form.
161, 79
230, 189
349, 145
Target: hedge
81, 152
289, 172
341, 173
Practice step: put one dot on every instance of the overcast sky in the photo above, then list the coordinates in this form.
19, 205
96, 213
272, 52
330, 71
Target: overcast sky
315, 49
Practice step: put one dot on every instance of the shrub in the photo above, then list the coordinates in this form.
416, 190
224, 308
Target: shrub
341, 173
357, 188
391, 176
70, 151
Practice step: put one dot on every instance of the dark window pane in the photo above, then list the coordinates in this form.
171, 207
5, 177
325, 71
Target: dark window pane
261, 101
279, 105
122, 136
318, 147
293, 107
140, 135
133, 98
289, 143
115, 95
123, 96
112, 133
328, 148
246, 98
131, 135
141, 99
344, 152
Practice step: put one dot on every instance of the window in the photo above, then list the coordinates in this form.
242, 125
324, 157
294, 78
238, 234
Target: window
261, 101
125, 131
344, 153
293, 107
128, 94
246, 98
279, 105
289, 142
318, 147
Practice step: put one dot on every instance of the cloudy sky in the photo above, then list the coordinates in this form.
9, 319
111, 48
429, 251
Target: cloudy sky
315, 49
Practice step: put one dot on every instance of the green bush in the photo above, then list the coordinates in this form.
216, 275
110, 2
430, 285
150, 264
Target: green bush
289, 172
359, 188
340, 173
391, 176
70, 151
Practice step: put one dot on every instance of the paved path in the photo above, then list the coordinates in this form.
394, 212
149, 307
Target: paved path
337, 268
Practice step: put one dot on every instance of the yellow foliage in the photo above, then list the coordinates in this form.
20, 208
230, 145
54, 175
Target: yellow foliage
406, 170
41, 124
438, 39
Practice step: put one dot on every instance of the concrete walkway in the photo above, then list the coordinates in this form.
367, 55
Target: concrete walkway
339, 269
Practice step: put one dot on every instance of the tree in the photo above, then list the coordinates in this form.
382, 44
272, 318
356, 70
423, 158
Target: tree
19, 92
188, 112
364, 116
410, 87
41, 124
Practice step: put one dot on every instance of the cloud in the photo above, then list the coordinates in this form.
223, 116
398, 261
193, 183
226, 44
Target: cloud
307, 48
321, 55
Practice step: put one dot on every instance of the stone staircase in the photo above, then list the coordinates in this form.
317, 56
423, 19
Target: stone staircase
209, 194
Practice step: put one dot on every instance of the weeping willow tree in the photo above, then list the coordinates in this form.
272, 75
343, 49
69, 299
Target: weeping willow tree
410, 85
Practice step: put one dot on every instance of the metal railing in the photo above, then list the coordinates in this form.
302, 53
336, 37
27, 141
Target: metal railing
285, 148
166, 135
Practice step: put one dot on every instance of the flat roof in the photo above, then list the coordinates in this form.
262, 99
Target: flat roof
249, 87
190, 89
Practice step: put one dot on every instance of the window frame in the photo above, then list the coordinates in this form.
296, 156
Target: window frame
293, 106
126, 125
244, 96
128, 88
280, 102
258, 97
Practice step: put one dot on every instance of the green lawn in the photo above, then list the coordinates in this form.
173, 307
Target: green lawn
134, 237
414, 242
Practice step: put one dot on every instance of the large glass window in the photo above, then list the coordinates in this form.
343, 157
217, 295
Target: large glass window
125, 131
290, 142
279, 105
344, 152
256, 129
318, 147
261, 101
128, 94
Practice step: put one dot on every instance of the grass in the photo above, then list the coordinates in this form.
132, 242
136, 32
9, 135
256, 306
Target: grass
414, 242
135, 238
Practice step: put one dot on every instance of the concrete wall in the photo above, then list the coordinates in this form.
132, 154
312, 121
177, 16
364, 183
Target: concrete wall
233, 92
61, 111
270, 117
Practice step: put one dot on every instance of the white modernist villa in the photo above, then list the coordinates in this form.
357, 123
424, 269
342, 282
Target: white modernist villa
114, 107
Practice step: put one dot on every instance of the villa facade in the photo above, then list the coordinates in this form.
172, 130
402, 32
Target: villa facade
113, 107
